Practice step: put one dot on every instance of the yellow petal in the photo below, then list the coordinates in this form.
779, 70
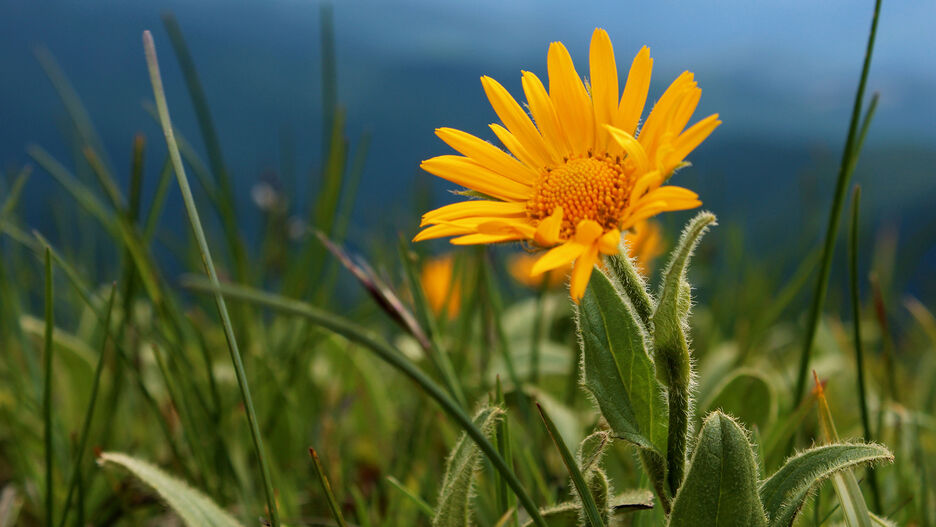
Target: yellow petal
683, 112
608, 243
631, 147
604, 85
544, 114
635, 92
547, 232
487, 155
587, 231
582, 272
693, 137
505, 227
516, 120
647, 181
557, 257
468, 173
477, 207
441, 231
482, 239
511, 143
573, 105
657, 119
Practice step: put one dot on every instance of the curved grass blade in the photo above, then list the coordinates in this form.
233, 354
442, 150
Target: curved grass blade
195, 509
199, 233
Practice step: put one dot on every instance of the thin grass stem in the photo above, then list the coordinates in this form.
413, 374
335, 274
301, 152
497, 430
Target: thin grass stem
89, 413
578, 479
326, 486
846, 168
859, 348
199, 233
47, 389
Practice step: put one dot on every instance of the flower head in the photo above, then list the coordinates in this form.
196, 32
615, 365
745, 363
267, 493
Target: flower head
577, 172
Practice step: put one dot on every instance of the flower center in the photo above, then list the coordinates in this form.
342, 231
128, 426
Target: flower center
587, 188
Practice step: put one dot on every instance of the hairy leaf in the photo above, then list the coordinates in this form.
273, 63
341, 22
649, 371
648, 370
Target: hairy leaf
721, 484
670, 317
617, 368
464, 462
785, 492
195, 509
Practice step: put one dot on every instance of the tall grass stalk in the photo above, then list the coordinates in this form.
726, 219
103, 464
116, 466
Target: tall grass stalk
846, 168
859, 348
89, 413
160, 96
47, 389
326, 487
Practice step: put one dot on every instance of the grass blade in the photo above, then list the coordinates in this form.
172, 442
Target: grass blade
47, 388
421, 504
578, 480
859, 348
326, 486
199, 233
89, 413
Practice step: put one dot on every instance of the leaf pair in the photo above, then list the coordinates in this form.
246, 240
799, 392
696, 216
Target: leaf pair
721, 485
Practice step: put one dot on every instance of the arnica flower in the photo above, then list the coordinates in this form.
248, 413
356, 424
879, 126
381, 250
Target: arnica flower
443, 292
644, 243
578, 171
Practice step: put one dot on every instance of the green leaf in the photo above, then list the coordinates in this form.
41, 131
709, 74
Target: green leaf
464, 462
721, 484
746, 394
195, 509
671, 317
785, 493
616, 366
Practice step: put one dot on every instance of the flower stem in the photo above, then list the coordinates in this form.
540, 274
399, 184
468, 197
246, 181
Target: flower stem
678, 398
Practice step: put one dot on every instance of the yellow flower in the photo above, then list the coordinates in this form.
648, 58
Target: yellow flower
579, 172
442, 291
644, 242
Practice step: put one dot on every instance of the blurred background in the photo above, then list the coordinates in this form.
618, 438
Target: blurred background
782, 75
